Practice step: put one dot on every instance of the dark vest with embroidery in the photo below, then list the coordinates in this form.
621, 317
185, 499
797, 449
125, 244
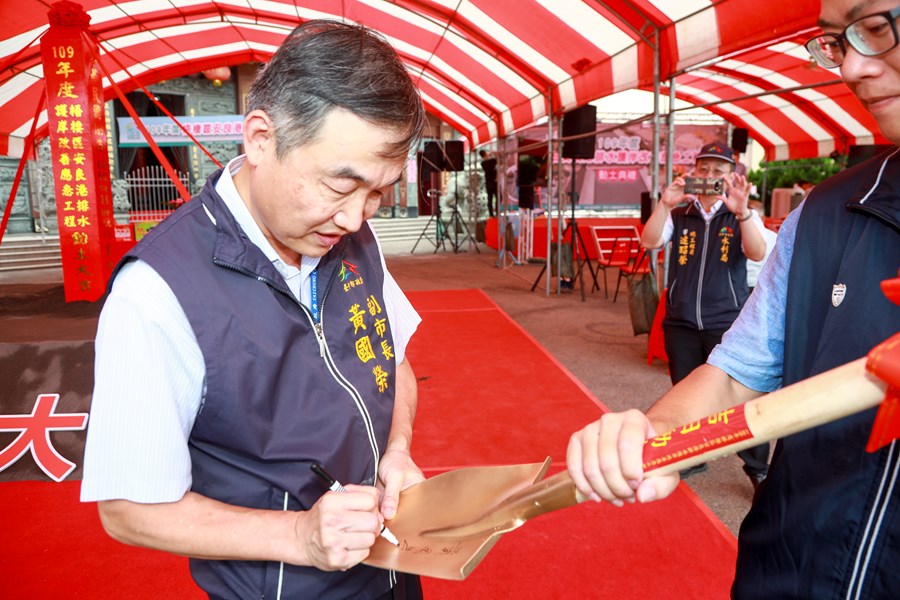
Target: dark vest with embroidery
276, 401
825, 523
707, 270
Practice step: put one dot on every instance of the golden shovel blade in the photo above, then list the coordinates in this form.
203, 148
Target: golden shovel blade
446, 501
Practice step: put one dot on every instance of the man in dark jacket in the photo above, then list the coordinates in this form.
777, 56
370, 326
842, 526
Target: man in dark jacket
256, 332
713, 236
489, 166
826, 522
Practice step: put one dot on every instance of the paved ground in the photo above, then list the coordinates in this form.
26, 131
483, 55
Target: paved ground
592, 339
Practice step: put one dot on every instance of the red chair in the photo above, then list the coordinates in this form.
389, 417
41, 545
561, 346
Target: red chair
619, 255
641, 266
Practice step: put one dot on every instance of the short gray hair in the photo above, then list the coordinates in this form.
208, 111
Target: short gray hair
323, 65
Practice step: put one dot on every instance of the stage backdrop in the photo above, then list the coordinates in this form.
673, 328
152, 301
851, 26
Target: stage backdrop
620, 169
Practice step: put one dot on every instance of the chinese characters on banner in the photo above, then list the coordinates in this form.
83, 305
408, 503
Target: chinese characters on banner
206, 128
619, 171
722, 429
622, 161
33, 435
78, 147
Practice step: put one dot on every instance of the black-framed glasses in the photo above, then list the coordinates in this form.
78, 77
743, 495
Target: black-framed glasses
871, 35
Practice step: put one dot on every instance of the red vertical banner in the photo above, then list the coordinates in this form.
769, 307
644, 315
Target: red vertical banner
78, 147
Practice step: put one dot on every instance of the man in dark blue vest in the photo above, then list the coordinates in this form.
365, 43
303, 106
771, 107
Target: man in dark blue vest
826, 521
713, 235
256, 332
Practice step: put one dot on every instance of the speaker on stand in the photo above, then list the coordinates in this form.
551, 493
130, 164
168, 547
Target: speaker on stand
454, 155
430, 164
454, 161
580, 121
739, 139
577, 122
646, 207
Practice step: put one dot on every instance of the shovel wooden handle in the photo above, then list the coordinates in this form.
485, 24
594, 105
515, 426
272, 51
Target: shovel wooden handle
827, 397
832, 395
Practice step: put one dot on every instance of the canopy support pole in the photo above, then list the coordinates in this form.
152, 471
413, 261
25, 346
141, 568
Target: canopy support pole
670, 175
670, 146
654, 159
548, 211
504, 258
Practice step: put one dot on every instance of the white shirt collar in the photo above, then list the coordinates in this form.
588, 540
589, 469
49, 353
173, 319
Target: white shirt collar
228, 192
707, 216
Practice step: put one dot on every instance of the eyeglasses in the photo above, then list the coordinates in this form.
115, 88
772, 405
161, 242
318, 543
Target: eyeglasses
872, 35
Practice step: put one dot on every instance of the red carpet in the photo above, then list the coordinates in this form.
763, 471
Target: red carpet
52, 546
488, 394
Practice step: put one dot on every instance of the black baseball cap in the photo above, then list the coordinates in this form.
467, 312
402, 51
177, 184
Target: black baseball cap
717, 150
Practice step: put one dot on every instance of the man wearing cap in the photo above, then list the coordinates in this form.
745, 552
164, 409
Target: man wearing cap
713, 236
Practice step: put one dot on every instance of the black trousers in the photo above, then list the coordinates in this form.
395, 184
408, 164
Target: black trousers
491, 200
409, 587
687, 349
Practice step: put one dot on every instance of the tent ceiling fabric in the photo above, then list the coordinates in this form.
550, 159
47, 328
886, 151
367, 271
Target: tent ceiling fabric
486, 67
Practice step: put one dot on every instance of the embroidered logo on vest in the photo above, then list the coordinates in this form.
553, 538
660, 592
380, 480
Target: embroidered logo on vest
837, 294
687, 245
365, 349
725, 235
349, 270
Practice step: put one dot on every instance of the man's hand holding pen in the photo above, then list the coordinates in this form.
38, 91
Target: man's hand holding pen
338, 531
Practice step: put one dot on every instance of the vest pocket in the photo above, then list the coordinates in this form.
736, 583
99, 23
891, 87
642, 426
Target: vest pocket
733, 293
274, 572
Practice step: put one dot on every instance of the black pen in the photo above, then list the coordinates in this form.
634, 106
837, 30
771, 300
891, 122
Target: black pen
335, 486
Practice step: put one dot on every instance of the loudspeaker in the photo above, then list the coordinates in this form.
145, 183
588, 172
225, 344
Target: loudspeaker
580, 120
428, 179
646, 211
433, 156
739, 140
454, 155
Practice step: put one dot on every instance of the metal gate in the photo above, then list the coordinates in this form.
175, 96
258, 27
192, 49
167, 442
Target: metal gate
151, 193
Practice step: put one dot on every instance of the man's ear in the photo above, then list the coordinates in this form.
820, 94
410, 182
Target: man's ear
259, 133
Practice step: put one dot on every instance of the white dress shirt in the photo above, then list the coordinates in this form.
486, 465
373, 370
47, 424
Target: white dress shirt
669, 227
149, 372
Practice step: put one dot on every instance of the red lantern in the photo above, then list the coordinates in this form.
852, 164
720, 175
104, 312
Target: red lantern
218, 75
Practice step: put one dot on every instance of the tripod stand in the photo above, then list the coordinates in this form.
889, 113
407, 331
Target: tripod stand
440, 232
456, 222
577, 242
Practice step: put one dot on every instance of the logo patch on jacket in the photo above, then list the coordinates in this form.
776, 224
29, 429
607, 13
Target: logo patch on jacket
687, 245
838, 291
350, 277
725, 235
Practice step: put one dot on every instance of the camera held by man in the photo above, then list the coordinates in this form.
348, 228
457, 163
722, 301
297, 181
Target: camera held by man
704, 186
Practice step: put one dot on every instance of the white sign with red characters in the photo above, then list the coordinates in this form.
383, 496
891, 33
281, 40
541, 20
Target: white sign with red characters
34, 436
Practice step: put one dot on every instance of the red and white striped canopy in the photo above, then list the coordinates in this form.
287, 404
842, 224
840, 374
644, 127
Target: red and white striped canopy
486, 67
814, 114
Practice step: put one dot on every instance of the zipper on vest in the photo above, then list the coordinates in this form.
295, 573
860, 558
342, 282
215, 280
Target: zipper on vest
351, 389
323, 346
320, 337
278, 287
702, 270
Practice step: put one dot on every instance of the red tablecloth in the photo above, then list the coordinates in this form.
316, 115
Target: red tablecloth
584, 225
